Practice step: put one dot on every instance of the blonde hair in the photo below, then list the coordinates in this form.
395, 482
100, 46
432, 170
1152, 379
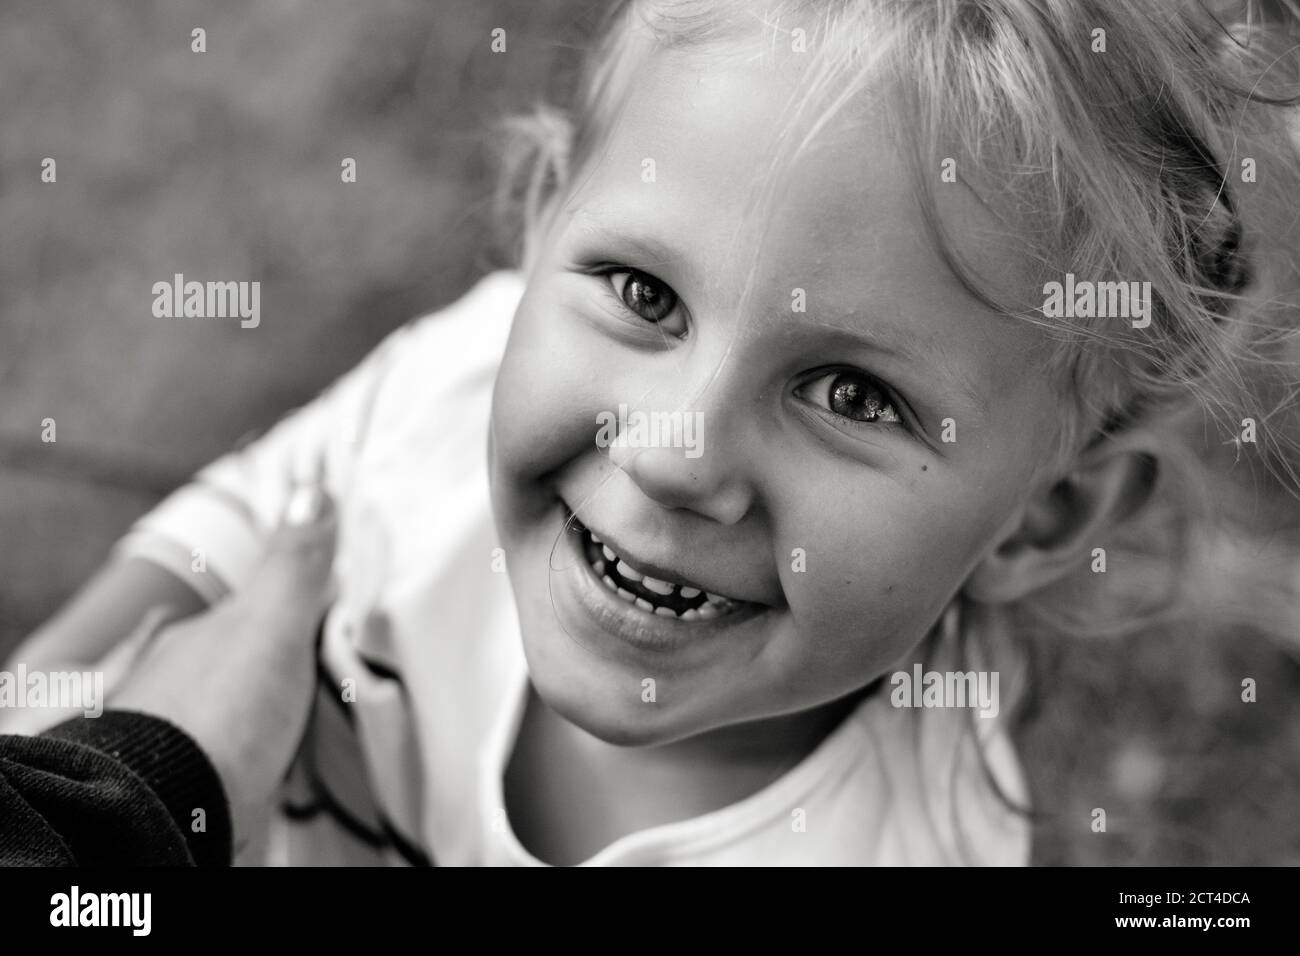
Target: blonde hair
1132, 162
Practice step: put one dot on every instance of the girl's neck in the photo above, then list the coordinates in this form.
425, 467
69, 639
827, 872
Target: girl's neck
570, 794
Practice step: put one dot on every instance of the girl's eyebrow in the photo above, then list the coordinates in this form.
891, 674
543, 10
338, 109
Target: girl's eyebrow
648, 252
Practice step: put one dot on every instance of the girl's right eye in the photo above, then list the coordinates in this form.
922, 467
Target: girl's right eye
647, 298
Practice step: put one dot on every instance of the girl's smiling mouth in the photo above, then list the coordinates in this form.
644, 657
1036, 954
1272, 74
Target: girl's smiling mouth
667, 598
652, 610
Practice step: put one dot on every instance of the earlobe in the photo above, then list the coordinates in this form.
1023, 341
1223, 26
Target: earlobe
1063, 521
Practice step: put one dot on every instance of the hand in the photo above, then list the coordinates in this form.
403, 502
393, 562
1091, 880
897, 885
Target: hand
239, 679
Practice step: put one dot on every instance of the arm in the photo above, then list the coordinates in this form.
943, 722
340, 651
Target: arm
118, 791
203, 541
228, 511
104, 610
212, 717
90, 631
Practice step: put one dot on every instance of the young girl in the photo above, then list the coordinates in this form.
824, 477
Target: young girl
912, 321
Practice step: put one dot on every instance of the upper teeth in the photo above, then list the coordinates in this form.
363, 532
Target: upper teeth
654, 584
713, 602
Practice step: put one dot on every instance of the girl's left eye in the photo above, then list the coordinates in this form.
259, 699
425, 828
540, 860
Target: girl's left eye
647, 298
855, 396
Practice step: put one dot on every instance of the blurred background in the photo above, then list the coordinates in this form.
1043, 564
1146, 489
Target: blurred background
225, 165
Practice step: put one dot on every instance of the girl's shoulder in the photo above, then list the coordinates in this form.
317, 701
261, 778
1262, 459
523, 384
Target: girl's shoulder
479, 320
465, 334
451, 349
432, 372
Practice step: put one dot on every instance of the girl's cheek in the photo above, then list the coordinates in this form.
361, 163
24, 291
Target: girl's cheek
535, 434
546, 402
835, 585
876, 580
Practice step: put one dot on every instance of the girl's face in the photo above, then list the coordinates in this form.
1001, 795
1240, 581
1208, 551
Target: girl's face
853, 440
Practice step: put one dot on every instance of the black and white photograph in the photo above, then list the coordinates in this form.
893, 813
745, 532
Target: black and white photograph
651, 433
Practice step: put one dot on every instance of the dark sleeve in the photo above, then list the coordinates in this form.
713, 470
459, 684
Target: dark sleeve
120, 789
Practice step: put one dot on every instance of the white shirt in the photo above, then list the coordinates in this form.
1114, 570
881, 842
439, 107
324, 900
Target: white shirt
426, 681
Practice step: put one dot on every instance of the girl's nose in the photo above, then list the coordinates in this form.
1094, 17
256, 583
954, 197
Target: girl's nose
707, 478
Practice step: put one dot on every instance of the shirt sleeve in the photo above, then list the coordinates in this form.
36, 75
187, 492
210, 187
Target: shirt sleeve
123, 789
211, 532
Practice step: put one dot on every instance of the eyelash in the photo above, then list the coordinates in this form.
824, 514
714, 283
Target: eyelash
828, 375
607, 271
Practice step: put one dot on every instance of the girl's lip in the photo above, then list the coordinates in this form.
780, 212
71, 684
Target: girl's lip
652, 568
643, 630
630, 584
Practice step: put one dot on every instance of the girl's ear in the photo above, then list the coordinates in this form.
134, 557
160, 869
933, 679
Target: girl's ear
1063, 521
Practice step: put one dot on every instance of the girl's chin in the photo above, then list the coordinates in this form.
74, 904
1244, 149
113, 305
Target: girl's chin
622, 719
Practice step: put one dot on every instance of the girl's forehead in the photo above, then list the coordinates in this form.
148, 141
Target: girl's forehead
708, 164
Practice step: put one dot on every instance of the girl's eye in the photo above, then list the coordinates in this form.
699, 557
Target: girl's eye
857, 397
644, 296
